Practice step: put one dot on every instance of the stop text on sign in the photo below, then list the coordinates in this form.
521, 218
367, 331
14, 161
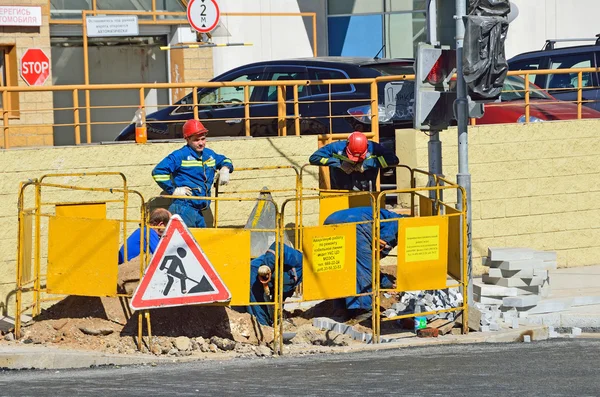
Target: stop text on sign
36, 67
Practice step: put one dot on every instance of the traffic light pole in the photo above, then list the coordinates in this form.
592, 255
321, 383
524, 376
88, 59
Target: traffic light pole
434, 146
462, 115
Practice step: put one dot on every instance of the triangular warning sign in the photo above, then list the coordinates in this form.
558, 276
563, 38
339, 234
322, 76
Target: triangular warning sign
179, 273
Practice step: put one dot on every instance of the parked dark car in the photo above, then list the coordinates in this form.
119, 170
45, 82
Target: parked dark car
222, 112
564, 86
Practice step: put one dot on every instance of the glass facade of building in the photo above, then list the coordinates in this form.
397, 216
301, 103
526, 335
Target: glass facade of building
364, 27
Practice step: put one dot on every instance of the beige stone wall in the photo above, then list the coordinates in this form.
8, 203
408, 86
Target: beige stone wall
136, 162
33, 126
197, 64
532, 186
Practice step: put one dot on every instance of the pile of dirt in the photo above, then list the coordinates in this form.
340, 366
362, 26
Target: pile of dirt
109, 325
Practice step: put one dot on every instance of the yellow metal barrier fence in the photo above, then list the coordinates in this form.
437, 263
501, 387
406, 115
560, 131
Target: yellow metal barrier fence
330, 252
430, 248
82, 241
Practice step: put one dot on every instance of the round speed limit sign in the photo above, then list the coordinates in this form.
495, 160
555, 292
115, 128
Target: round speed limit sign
203, 15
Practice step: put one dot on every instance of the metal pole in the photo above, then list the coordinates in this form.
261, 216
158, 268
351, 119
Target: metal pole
462, 114
86, 79
434, 146
434, 153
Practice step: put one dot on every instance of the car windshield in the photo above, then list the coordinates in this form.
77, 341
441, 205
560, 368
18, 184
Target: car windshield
514, 90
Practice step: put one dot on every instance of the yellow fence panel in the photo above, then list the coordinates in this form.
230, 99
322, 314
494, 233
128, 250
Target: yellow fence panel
425, 206
82, 210
232, 264
422, 253
454, 233
329, 268
82, 256
329, 205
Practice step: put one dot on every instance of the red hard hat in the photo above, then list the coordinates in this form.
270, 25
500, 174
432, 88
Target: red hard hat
356, 150
193, 127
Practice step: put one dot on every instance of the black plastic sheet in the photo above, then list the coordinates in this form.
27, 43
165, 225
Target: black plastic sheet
484, 60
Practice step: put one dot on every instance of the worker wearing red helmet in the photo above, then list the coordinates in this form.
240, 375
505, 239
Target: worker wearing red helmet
354, 164
190, 171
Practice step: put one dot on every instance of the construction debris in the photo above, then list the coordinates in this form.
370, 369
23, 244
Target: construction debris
414, 302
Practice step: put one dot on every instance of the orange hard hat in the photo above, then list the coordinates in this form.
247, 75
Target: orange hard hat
356, 149
193, 127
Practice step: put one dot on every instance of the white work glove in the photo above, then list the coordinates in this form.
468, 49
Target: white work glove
224, 176
347, 167
182, 191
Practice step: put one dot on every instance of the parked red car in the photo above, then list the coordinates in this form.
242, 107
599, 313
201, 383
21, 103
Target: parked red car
543, 106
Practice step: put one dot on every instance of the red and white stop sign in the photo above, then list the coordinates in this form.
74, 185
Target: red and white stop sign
35, 66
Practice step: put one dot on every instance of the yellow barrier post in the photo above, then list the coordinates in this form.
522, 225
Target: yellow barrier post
195, 102
296, 110
281, 111
5, 118
246, 111
375, 271
579, 93
527, 97
76, 116
37, 248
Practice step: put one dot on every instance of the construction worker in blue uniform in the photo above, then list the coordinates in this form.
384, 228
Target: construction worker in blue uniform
388, 239
262, 287
158, 219
190, 171
354, 164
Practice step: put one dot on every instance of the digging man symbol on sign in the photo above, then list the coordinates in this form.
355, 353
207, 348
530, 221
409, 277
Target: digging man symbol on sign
176, 269
172, 270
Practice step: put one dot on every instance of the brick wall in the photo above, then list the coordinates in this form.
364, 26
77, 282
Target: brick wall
33, 126
532, 186
197, 64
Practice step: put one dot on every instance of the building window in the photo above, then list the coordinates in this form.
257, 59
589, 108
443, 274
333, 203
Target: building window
366, 27
9, 78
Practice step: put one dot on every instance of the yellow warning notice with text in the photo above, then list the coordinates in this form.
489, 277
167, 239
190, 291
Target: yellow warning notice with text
328, 253
422, 243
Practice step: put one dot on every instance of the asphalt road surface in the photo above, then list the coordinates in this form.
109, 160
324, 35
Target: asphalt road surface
550, 368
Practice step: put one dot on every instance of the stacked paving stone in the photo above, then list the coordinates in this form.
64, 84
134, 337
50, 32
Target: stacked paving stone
427, 301
516, 280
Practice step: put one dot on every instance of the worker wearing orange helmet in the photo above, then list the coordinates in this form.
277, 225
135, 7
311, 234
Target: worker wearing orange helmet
190, 171
354, 164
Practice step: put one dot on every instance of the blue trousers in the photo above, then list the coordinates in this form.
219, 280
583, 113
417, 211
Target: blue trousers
191, 216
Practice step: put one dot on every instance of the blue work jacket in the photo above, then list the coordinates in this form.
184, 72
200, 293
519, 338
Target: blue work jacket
133, 245
364, 237
334, 154
184, 167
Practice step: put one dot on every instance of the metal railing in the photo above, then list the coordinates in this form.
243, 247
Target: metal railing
285, 115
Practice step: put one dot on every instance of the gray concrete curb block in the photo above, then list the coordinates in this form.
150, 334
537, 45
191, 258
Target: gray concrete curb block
328, 324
